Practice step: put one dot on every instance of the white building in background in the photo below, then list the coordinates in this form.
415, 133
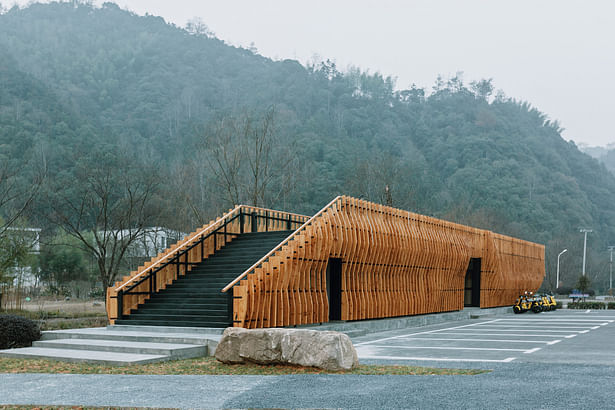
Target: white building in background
152, 241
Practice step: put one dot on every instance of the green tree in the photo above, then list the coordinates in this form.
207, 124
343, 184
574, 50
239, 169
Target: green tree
64, 261
15, 247
583, 283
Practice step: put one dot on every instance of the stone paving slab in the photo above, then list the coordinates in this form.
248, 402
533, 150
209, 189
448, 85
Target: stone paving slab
76, 356
171, 335
167, 349
182, 335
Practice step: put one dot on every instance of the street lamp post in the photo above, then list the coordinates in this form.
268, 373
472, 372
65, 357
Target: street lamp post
611, 248
557, 279
585, 231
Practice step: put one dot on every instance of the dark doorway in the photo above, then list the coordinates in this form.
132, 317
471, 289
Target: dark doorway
334, 288
472, 284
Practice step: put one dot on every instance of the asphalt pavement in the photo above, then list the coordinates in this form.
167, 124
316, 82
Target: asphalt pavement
575, 372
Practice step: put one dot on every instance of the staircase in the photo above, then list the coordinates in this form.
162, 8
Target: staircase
121, 345
196, 300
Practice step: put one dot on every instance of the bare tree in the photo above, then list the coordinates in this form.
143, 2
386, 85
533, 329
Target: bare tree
106, 209
197, 27
381, 178
18, 190
247, 160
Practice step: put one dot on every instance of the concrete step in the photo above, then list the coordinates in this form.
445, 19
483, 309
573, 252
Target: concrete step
153, 334
121, 345
170, 322
173, 350
196, 331
89, 356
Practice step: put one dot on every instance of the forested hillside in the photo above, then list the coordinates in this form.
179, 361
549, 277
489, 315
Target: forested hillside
85, 87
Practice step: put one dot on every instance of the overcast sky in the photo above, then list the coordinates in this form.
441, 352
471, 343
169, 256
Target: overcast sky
557, 54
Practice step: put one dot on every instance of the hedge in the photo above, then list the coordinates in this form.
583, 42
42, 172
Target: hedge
17, 331
587, 305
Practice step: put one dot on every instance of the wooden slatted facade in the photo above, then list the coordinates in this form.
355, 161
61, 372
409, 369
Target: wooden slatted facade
393, 263
379, 262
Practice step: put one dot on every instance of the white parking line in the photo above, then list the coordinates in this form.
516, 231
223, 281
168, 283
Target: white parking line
532, 350
529, 330
540, 326
553, 320
438, 359
418, 333
457, 348
495, 334
577, 316
484, 340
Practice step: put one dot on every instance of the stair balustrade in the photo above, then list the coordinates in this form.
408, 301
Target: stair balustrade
180, 258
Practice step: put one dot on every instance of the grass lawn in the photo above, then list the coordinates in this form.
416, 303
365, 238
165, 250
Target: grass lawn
209, 365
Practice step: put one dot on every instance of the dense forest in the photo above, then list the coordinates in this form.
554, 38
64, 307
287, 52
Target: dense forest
101, 101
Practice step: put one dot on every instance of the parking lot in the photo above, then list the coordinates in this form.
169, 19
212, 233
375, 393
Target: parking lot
553, 337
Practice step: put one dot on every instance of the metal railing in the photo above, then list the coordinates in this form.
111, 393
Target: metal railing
279, 246
251, 218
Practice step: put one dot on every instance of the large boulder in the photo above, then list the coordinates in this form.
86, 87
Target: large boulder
323, 349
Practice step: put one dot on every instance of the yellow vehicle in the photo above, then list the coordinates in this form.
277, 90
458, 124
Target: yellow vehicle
553, 301
527, 302
548, 302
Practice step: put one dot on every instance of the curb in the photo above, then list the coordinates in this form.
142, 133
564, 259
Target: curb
364, 327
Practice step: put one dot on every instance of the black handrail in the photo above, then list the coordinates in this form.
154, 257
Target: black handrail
176, 260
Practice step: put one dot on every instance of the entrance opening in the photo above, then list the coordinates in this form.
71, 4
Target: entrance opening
472, 284
334, 288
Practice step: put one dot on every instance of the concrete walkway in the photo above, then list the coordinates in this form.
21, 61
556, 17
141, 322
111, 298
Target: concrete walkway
514, 386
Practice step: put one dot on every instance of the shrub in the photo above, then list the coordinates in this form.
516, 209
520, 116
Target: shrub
558, 305
587, 305
16, 331
610, 305
97, 293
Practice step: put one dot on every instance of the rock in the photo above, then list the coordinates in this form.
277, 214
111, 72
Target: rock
323, 349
